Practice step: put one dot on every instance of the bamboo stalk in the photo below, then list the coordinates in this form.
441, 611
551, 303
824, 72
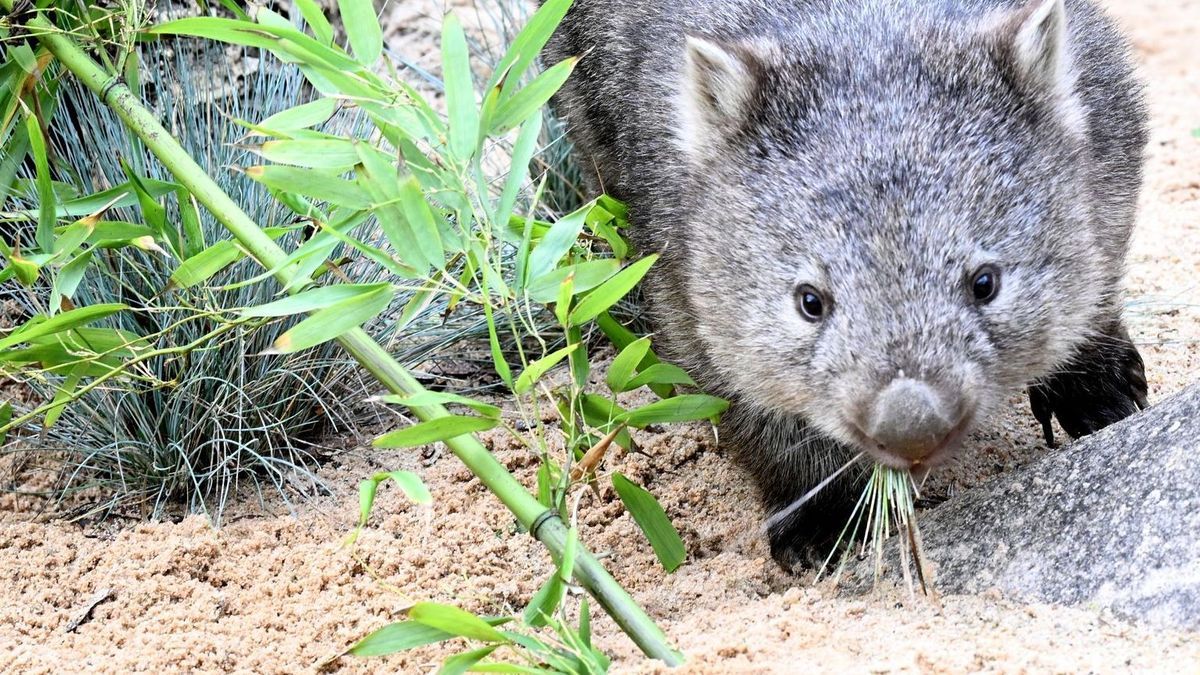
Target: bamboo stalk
544, 524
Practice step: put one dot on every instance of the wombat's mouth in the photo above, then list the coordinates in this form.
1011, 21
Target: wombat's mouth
926, 457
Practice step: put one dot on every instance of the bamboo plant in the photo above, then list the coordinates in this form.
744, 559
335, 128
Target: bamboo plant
418, 177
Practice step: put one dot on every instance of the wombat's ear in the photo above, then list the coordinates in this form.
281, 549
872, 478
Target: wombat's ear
1040, 42
1035, 38
719, 81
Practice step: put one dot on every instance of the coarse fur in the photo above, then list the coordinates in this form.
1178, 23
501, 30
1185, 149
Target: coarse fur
883, 152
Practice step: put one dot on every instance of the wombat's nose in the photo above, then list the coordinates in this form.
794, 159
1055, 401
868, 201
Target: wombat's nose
910, 419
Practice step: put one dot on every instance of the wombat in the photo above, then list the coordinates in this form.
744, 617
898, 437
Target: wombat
877, 219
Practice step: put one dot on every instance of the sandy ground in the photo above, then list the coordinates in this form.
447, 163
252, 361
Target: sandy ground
281, 594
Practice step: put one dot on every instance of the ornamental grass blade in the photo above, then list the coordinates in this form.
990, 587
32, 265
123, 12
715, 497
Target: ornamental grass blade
333, 321
653, 521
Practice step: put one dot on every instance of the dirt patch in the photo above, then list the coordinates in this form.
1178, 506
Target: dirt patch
280, 593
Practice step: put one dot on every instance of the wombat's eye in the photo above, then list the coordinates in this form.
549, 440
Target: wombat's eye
985, 284
810, 303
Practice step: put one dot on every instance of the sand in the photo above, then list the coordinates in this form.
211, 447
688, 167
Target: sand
280, 593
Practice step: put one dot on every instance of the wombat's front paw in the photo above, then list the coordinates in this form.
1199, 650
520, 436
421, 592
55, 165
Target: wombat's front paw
807, 538
1104, 384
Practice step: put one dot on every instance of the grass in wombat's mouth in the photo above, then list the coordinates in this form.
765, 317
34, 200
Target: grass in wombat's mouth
886, 506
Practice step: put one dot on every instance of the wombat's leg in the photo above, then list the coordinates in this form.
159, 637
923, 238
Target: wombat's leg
787, 459
1104, 383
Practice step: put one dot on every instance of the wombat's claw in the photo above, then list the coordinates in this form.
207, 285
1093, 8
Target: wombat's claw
1043, 412
1103, 385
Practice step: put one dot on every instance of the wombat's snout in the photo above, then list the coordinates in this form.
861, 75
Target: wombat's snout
912, 422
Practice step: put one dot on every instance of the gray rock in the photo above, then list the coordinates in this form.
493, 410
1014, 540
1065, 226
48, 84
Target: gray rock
1111, 521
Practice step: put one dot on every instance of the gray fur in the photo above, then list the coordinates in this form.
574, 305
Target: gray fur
880, 150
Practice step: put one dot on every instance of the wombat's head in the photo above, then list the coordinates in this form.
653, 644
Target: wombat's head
889, 230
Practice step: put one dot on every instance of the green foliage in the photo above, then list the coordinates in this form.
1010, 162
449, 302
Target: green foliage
156, 394
388, 205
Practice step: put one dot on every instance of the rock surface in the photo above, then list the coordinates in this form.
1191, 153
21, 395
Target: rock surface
1111, 521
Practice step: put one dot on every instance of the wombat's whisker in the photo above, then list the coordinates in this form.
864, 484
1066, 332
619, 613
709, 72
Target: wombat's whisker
784, 514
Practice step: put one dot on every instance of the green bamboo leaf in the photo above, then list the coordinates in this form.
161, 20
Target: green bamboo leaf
498, 667
362, 28
611, 291
460, 91
324, 153
431, 398
47, 199
189, 216
556, 243
68, 278
398, 637
302, 116
67, 320
378, 176
421, 220
115, 230
410, 484
63, 394
545, 601
660, 373
683, 408
314, 16
73, 237
382, 258
5, 419
455, 621
562, 303
435, 430
334, 320
653, 521
233, 31
532, 97
153, 213
535, 370
461, 663
622, 367
528, 44
585, 623
621, 337
522, 154
121, 196
202, 266
311, 300
498, 360
312, 183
